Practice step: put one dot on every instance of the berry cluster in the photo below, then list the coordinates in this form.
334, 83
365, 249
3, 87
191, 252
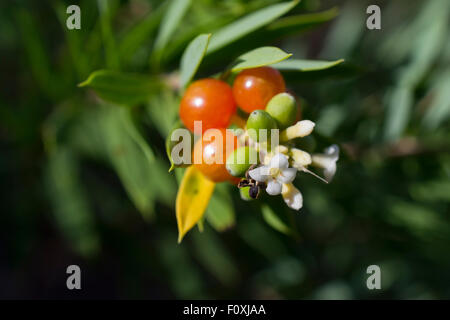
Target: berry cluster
213, 102
250, 158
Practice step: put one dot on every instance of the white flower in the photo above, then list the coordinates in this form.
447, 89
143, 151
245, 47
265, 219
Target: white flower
275, 174
292, 196
327, 161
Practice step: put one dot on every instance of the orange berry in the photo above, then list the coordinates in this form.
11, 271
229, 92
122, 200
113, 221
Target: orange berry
253, 88
210, 101
211, 152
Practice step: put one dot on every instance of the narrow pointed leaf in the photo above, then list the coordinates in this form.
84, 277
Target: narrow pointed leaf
122, 88
211, 252
141, 34
192, 57
273, 220
400, 101
71, 208
260, 57
298, 23
306, 65
439, 110
248, 24
170, 144
106, 11
220, 213
143, 176
170, 22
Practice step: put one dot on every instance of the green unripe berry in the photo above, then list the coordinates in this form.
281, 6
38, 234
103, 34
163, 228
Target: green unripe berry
240, 160
283, 109
258, 120
245, 193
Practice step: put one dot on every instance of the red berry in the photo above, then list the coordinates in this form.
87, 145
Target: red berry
210, 101
212, 154
253, 88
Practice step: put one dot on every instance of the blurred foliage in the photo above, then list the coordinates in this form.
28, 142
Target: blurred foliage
86, 182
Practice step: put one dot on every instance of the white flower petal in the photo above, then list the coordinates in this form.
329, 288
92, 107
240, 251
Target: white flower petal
287, 175
279, 161
327, 161
300, 157
273, 187
260, 174
330, 171
266, 158
321, 160
292, 196
333, 151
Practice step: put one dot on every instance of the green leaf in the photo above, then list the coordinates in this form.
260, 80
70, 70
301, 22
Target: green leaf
184, 36
108, 134
273, 220
134, 134
122, 88
166, 188
192, 57
439, 110
80, 59
163, 118
273, 32
131, 158
306, 65
420, 220
35, 52
259, 57
220, 213
86, 135
106, 10
260, 237
183, 275
431, 191
170, 144
214, 256
141, 33
70, 205
399, 102
331, 117
248, 24
295, 24
170, 22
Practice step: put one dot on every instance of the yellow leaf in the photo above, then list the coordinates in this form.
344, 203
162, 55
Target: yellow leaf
192, 200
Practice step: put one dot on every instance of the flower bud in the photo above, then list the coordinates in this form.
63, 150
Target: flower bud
283, 109
260, 120
240, 160
299, 130
300, 158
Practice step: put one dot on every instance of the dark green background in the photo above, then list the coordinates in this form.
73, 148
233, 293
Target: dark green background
63, 201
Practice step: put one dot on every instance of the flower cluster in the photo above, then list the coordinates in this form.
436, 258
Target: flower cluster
279, 168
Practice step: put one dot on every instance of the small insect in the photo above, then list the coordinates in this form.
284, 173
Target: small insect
255, 186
